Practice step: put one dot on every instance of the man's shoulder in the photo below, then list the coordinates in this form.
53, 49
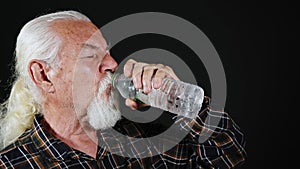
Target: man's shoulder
15, 152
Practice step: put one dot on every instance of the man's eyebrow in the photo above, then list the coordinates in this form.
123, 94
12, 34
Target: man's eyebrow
87, 45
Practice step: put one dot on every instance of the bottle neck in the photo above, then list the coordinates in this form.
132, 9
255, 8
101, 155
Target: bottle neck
115, 75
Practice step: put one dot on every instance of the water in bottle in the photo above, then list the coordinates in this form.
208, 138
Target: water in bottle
173, 96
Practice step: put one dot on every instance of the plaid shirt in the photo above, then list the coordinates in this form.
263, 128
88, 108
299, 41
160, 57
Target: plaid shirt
224, 148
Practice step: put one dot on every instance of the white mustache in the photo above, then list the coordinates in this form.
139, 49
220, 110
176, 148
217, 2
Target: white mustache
105, 82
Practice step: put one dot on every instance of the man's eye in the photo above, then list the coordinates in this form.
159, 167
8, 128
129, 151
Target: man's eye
91, 56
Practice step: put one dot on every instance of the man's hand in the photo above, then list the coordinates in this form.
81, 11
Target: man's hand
145, 76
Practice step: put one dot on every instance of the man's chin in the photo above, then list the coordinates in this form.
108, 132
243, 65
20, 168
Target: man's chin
89, 126
102, 125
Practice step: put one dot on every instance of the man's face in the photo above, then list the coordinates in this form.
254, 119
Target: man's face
84, 77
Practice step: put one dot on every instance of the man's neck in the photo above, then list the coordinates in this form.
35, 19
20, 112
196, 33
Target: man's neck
69, 130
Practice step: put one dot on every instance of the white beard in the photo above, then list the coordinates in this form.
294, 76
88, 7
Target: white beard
104, 114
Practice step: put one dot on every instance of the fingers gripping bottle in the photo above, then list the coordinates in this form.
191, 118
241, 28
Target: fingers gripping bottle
173, 96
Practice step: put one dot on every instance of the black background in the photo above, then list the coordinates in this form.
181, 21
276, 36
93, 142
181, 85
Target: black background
253, 39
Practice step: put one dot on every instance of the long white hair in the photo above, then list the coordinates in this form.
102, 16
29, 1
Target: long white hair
36, 40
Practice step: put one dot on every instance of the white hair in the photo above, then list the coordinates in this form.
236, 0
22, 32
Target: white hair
36, 40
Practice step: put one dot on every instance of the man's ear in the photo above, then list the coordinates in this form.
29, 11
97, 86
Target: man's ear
39, 73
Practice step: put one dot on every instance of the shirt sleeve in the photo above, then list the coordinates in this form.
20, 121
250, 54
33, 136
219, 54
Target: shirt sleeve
215, 139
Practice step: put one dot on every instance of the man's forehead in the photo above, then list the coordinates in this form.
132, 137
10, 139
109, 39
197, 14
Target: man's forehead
83, 34
76, 30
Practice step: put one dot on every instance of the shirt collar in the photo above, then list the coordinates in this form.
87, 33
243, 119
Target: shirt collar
52, 147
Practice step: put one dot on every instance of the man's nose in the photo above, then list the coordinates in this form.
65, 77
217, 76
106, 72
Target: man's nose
108, 64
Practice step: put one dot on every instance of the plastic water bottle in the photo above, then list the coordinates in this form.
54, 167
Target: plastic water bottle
173, 96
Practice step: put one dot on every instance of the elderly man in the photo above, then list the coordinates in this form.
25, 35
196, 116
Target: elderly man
62, 103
